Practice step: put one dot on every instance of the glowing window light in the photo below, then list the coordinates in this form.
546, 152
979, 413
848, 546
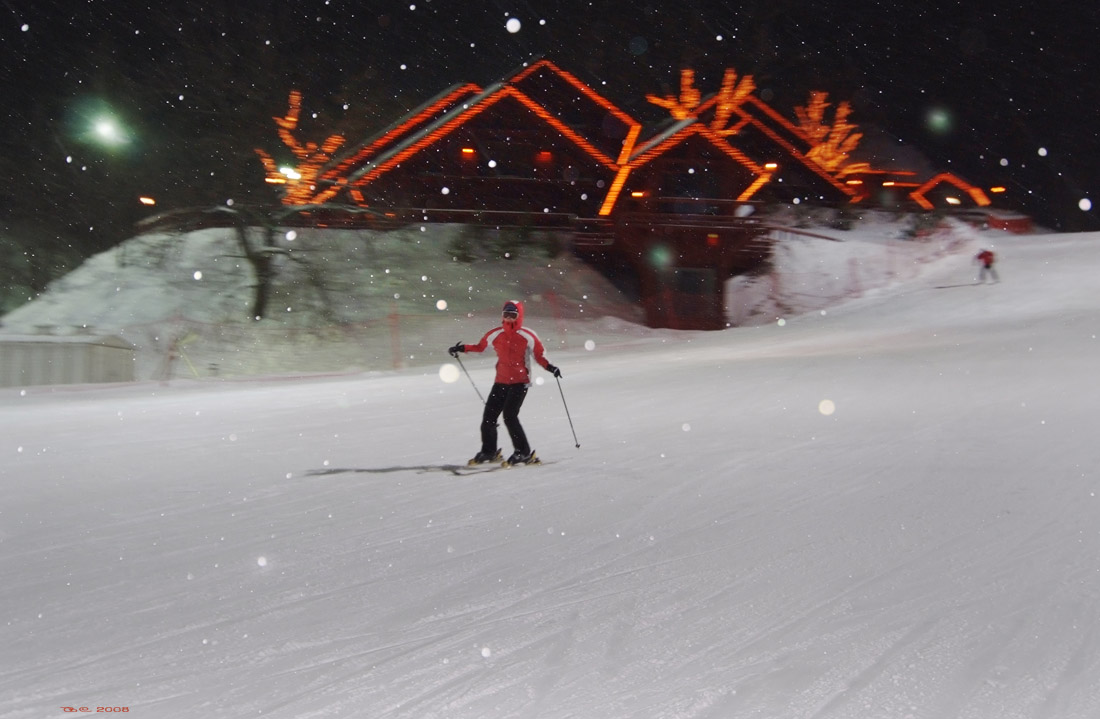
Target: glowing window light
953, 200
771, 165
544, 157
146, 200
997, 190
853, 182
637, 193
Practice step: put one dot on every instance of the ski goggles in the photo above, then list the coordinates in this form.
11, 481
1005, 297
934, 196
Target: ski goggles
511, 315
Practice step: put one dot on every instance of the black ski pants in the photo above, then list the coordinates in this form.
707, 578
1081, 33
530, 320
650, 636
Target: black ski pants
506, 399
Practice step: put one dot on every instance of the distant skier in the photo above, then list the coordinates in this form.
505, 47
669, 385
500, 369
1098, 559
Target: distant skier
515, 345
986, 259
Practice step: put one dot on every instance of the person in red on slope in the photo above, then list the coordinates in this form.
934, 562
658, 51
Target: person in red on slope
515, 346
986, 259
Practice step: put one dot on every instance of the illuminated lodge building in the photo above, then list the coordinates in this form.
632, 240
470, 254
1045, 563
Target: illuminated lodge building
541, 149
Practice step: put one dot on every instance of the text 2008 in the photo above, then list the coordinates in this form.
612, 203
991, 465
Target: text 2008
96, 710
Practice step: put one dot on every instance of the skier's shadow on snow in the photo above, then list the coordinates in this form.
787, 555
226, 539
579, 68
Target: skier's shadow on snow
458, 470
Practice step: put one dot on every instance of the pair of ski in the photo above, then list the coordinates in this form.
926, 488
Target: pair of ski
504, 463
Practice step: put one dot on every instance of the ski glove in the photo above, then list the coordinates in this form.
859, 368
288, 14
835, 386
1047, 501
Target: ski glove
553, 370
459, 347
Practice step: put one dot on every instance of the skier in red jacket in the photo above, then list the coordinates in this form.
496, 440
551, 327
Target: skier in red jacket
515, 346
986, 259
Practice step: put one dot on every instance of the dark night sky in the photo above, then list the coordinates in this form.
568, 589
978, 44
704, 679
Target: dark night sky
1018, 85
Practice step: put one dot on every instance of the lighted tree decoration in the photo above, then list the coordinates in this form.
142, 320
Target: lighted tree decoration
687, 103
731, 94
300, 180
831, 144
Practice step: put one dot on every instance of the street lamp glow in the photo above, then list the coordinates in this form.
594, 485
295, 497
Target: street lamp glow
108, 131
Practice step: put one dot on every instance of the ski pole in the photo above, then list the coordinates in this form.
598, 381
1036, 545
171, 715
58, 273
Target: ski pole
578, 444
469, 377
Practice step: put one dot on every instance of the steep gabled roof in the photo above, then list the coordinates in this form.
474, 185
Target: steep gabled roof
580, 107
755, 118
671, 137
431, 133
335, 176
559, 99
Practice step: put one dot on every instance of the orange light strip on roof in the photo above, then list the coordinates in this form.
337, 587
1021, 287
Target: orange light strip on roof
672, 141
613, 192
729, 149
632, 133
628, 144
748, 119
756, 185
402, 129
584, 89
975, 193
562, 128
979, 197
474, 111
810, 164
770, 112
898, 173
745, 120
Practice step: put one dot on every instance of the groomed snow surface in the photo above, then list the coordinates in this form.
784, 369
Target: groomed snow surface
886, 509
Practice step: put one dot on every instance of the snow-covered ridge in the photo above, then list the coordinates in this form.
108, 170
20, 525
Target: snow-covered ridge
351, 300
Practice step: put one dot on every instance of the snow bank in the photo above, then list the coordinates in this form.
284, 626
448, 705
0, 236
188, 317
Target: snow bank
349, 300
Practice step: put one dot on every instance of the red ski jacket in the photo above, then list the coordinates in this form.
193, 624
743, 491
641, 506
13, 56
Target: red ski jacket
515, 346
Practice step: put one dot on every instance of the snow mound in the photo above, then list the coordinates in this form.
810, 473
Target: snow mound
352, 300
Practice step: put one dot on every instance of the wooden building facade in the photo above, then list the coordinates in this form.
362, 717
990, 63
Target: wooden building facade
542, 148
